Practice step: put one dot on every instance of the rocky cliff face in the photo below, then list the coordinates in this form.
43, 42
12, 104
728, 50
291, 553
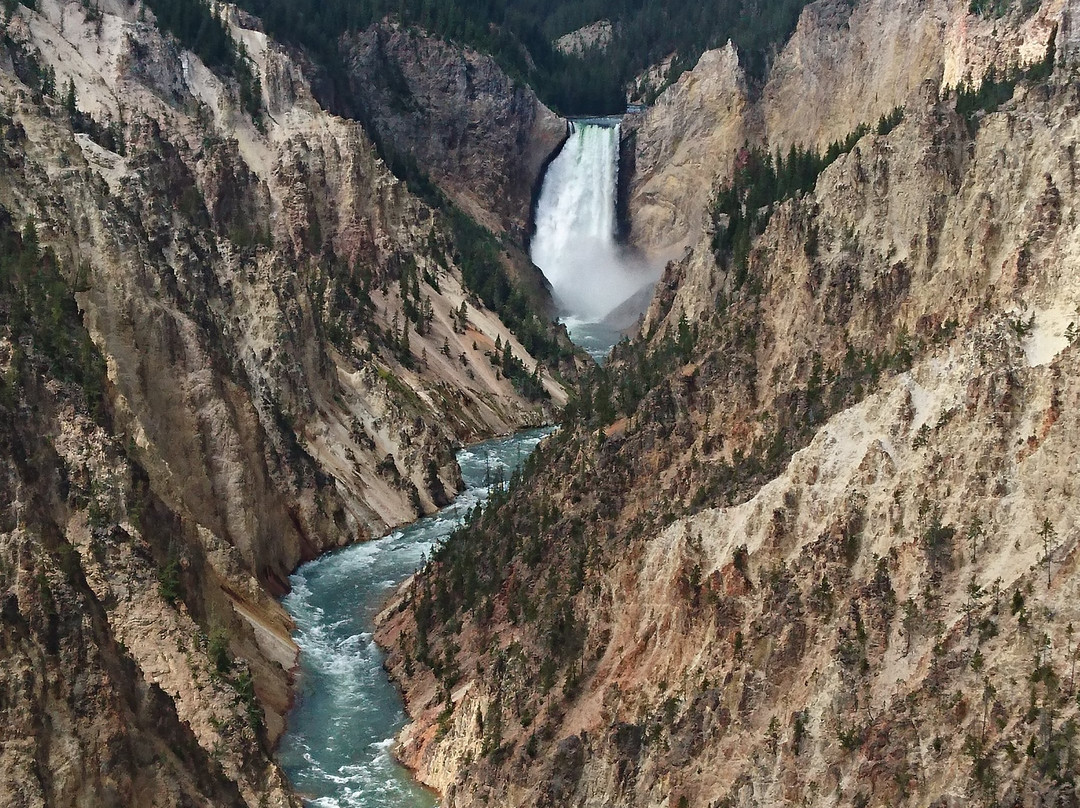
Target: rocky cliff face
83, 723
812, 539
594, 36
690, 130
288, 358
482, 138
845, 65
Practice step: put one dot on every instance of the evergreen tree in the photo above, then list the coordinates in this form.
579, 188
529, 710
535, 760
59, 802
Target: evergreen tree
70, 102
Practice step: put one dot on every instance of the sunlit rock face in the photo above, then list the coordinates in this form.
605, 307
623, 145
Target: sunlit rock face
288, 360
483, 138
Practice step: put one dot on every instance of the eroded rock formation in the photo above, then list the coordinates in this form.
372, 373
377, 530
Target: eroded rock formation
278, 356
813, 538
484, 139
845, 65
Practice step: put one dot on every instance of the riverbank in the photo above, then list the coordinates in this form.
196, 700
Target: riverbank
338, 749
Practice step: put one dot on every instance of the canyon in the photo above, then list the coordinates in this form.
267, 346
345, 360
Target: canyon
274, 353
811, 538
808, 537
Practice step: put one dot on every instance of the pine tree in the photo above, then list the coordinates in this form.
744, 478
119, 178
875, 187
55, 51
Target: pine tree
507, 361
975, 532
406, 349
1048, 535
70, 102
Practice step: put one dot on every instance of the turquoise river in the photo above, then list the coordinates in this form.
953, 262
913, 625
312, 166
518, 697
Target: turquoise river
337, 750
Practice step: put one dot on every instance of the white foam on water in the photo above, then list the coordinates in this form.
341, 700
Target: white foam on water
339, 747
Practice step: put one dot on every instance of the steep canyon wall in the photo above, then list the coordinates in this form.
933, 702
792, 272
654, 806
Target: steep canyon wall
280, 357
813, 539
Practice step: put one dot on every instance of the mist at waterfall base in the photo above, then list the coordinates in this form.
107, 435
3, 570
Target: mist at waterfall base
575, 240
338, 747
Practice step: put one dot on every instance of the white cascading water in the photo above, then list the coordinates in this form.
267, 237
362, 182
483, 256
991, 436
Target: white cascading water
574, 244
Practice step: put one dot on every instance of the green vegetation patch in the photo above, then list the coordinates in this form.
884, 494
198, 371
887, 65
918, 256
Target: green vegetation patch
997, 88
996, 9
39, 316
519, 35
199, 29
761, 181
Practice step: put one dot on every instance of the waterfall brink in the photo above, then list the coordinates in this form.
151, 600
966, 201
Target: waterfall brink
574, 244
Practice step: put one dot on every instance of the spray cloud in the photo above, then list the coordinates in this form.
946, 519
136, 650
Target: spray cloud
574, 244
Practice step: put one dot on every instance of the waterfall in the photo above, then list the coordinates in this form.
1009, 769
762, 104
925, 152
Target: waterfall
574, 244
